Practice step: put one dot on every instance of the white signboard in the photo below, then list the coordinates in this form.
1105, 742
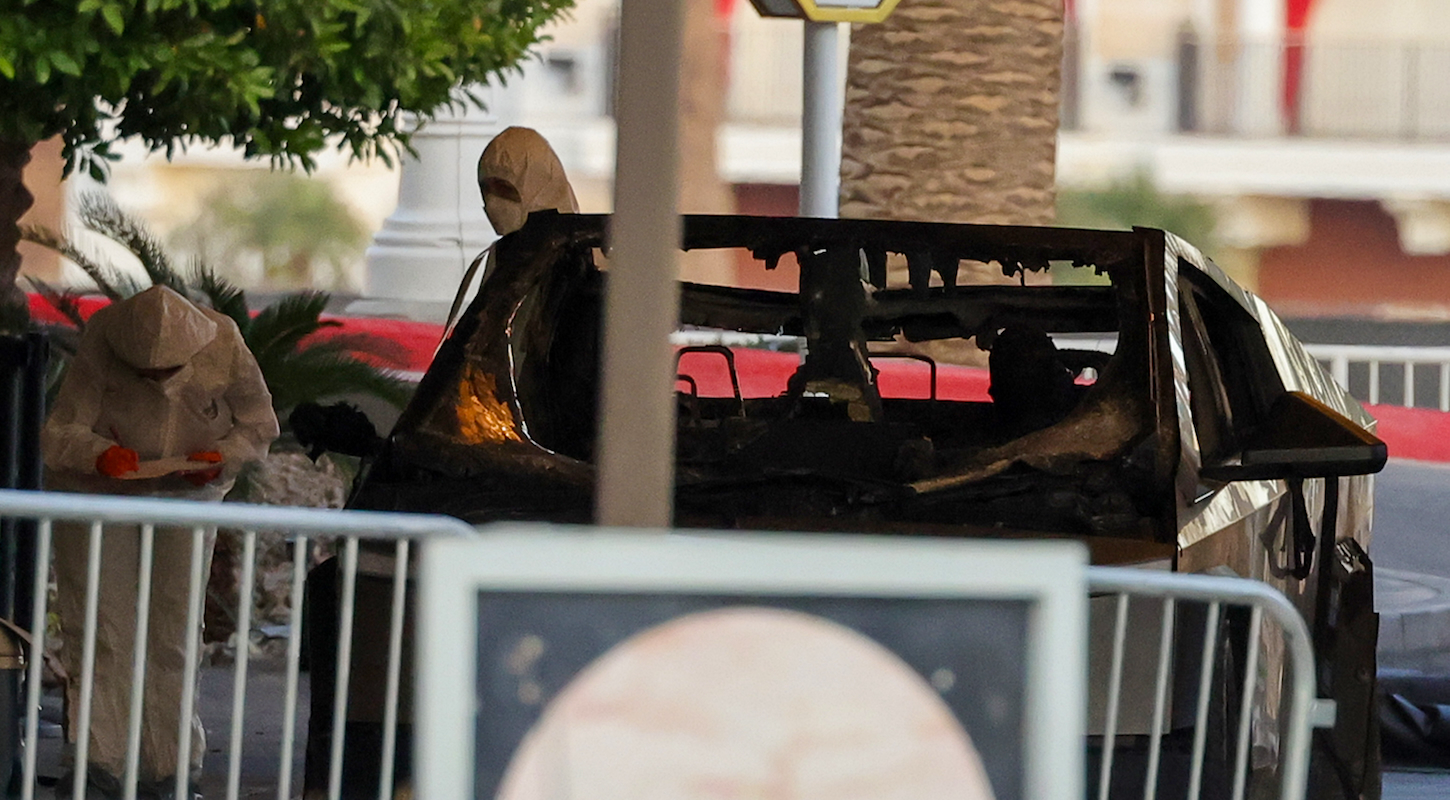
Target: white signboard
585, 663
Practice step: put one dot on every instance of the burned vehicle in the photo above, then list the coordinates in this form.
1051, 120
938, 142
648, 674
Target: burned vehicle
1153, 409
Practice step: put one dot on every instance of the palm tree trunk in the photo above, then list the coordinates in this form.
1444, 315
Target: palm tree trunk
951, 116
703, 73
15, 200
951, 112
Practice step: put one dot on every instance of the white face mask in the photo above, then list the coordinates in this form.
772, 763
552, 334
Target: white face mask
506, 216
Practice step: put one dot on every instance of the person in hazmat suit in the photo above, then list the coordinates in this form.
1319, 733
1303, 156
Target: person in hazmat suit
162, 399
518, 174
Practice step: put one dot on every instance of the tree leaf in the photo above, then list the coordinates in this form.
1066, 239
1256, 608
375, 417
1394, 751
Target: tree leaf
65, 63
112, 14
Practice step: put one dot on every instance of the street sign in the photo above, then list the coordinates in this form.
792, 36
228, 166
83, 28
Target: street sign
827, 10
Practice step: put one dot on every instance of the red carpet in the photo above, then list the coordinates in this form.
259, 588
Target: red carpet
1420, 434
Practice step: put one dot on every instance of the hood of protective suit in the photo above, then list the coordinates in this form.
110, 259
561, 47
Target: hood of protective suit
522, 159
158, 329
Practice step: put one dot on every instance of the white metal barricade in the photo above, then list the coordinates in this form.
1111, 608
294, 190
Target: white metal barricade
99, 512
1300, 708
1344, 362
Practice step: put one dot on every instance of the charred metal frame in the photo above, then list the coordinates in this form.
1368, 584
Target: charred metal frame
488, 427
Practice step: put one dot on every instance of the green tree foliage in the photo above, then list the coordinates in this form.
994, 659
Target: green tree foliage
297, 366
280, 79
1137, 201
298, 230
1134, 201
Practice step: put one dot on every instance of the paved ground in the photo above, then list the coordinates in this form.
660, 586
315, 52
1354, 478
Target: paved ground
1411, 550
261, 749
1416, 786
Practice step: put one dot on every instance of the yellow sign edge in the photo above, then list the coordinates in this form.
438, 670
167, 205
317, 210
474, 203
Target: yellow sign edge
815, 13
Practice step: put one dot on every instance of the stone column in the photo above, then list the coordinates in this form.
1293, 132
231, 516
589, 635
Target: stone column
417, 260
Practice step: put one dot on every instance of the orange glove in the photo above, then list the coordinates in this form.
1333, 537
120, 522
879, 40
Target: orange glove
117, 461
201, 477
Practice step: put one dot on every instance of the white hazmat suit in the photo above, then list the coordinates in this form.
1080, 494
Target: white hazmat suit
519, 173
159, 376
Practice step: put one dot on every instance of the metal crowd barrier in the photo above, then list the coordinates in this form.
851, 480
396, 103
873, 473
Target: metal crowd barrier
149, 514
1415, 374
1300, 711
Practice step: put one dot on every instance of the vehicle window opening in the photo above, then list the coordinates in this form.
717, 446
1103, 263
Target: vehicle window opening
906, 375
935, 369
1234, 368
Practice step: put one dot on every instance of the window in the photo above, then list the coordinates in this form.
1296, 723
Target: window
1231, 375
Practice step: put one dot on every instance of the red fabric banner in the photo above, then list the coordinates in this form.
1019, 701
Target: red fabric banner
1296, 20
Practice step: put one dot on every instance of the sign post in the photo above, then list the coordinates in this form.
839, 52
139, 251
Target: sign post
823, 102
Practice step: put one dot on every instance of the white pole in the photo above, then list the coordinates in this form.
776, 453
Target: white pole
417, 259
821, 121
637, 408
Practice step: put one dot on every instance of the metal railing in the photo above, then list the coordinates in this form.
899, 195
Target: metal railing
98, 513
1414, 377
1218, 594
1289, 85
101, 515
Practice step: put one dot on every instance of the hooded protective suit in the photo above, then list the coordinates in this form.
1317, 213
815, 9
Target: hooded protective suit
160, 376
519, 173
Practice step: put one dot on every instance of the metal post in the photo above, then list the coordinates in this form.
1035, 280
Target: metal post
637, 408
821, 122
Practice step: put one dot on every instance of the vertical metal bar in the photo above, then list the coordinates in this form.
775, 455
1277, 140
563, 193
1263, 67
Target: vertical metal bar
1374, 382
1115, 685
1205, 686
1160, 699
344, 666
1445, 386
1294, 753
88, 659
194, 591
1409, 384
35, 668
244, 648
300, 551
636, 456
1341, 371
821, 113
395, 663
138, 661
1246, 704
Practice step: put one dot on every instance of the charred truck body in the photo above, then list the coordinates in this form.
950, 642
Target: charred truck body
1151, 408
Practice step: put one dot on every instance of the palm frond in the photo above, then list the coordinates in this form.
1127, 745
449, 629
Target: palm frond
224, 296
285, 323
322, 372
101, 214
108, 279
64, 301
